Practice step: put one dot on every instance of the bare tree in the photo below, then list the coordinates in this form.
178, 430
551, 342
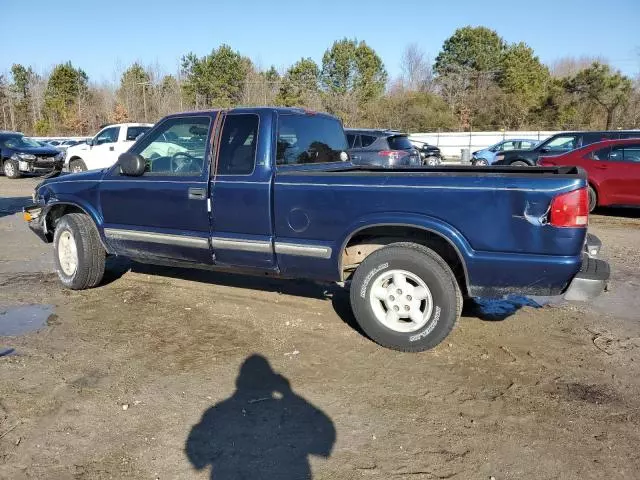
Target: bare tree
417, 74
569, 66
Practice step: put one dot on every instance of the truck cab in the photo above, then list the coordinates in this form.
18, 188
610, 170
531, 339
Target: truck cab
103, 149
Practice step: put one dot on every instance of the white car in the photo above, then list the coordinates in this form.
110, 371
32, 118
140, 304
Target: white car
103, 150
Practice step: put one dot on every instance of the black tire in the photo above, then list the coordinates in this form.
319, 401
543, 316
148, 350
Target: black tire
11, 169
520, 163
91, 255
432, 270
593, 198
77, 165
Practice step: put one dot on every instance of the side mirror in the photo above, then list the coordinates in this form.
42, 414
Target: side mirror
131, 164
545, 150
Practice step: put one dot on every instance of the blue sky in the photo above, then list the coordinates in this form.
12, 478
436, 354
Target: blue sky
103, 37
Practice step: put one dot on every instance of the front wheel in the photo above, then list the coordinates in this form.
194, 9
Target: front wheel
76, 166
520, 163
11, 169
405, 297
78, 253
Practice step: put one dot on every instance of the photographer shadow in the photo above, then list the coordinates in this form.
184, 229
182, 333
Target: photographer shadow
263, 431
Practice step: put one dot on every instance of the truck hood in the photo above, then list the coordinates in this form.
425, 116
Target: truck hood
68, 176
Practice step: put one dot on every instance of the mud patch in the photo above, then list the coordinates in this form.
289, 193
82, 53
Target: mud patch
589, 393
23, 319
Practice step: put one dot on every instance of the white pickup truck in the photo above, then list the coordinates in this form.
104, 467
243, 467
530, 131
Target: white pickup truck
103, 149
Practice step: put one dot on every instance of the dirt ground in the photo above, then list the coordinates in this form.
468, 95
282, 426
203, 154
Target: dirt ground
170, 374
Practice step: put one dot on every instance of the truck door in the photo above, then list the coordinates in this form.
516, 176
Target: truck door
241, 195
103, 148
163, 213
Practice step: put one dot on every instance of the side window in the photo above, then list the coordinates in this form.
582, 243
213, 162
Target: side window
309, 139
134, 132
367, 140
526, 145
562, 144
617, 154
509, 146
601, 154
238, 142
176, 148
632, 153
108, 135
351, 140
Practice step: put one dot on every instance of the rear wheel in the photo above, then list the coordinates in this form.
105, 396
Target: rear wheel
593, 198
78, 254
11, 169
405, 297
520, 163
76, 166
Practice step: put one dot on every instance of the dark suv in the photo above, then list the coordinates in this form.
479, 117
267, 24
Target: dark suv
558, 144
20, 154
383, 148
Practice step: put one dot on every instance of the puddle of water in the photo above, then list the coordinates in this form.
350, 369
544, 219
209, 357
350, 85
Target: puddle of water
23, 319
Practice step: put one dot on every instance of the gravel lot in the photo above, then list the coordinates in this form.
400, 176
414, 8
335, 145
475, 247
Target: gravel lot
164, 373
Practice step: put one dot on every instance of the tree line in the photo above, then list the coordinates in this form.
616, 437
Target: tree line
476, 82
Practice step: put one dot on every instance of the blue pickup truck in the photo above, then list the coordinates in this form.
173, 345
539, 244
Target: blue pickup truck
272, 191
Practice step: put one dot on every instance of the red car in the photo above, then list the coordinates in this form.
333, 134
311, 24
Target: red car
613, 167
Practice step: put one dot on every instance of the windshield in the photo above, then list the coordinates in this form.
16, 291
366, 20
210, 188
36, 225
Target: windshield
18, 141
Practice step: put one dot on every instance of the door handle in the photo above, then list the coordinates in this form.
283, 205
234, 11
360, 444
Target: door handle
111, 149
197, 193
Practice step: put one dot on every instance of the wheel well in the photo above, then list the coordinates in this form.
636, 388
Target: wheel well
367, 241
55, 213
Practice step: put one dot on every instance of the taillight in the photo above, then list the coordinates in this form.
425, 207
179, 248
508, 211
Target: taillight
570, 209
393, 155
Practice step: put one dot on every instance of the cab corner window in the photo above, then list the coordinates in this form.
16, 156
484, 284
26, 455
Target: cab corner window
309, 139
177, 148
238, 142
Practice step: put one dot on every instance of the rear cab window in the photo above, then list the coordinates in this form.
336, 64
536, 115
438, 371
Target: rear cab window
134, 132
309, 138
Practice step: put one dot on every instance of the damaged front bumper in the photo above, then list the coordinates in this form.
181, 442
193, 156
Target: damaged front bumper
593, 277
40, 165
33, 215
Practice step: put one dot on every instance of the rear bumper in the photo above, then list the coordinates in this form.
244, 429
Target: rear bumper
590, 281
592, 245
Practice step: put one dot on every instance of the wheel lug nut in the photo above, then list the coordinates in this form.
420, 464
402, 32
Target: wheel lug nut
392, 298
407, 308
396, 308
399, 292
409, 297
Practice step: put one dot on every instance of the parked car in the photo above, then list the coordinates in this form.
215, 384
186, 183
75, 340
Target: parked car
429, 154
280, 200
20, 154
487, 155
558, 144
103, 149
613, 167
384, 148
